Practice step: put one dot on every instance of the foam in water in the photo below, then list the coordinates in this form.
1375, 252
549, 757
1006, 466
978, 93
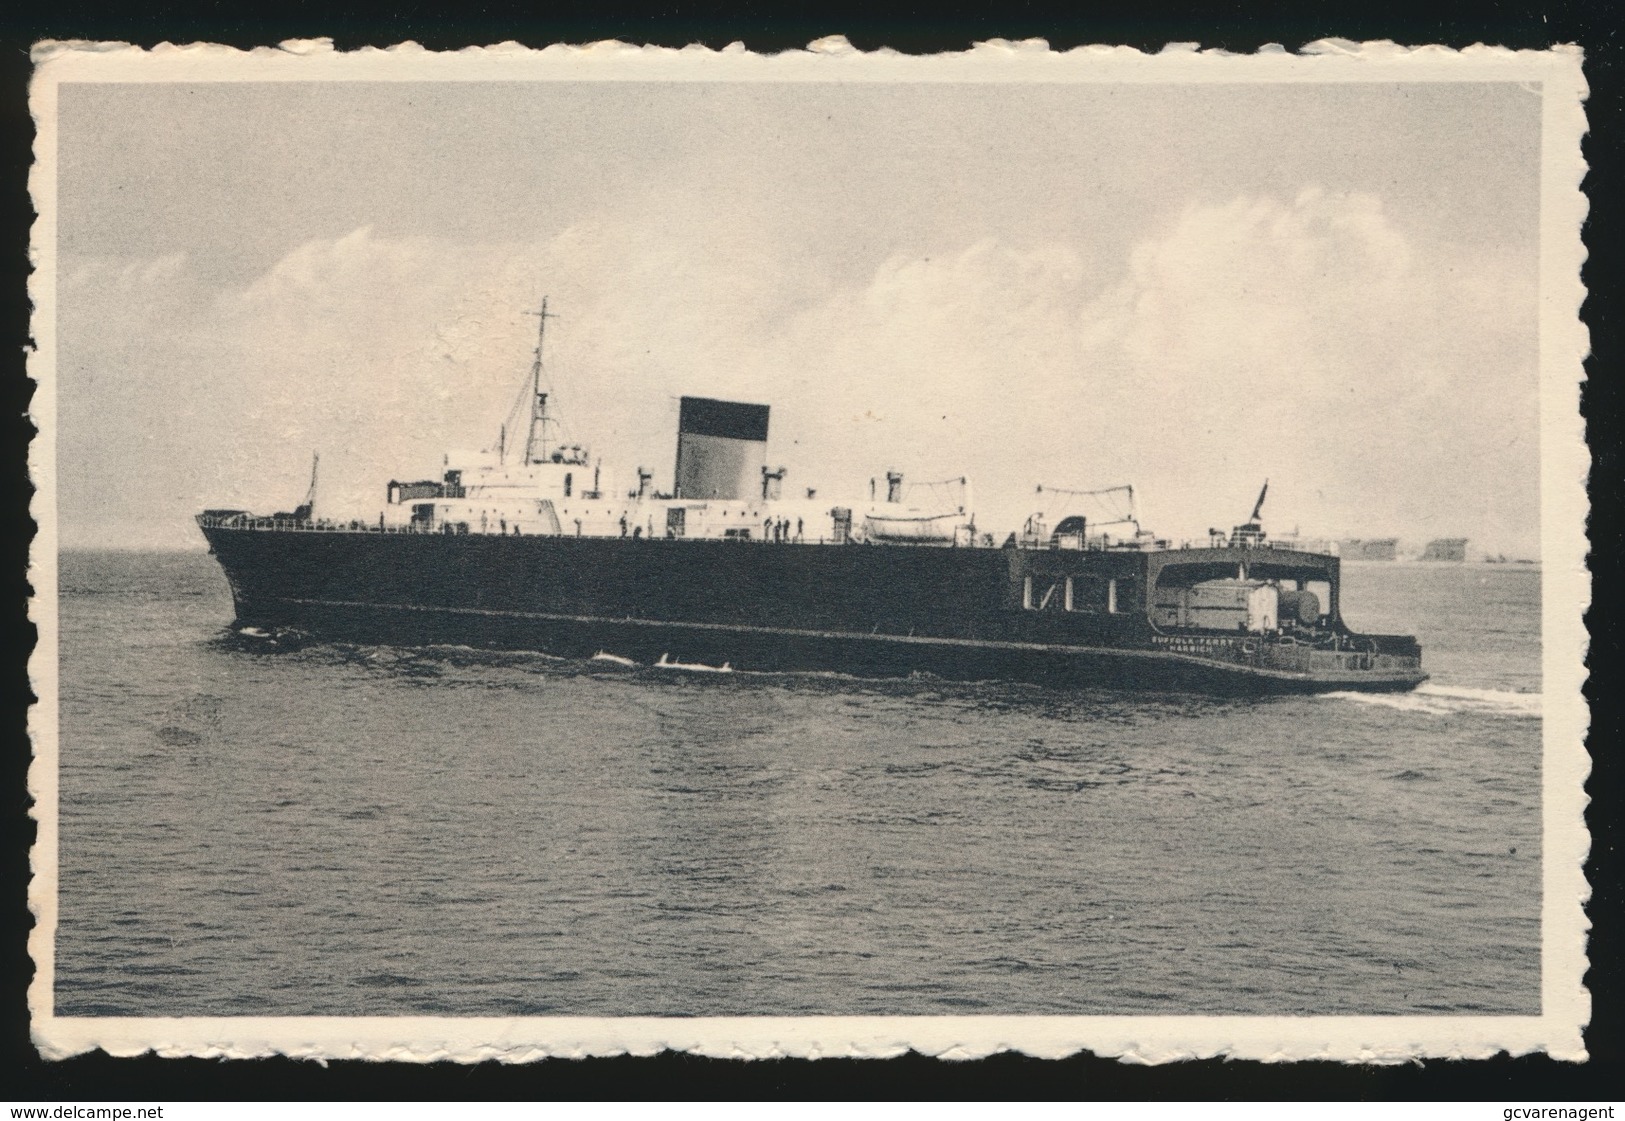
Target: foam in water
1453, 700
665, 662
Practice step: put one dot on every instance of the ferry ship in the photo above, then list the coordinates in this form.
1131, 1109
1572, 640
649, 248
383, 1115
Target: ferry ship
534, 547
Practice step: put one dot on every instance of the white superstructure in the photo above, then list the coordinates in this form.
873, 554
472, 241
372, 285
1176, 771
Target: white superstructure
723, 490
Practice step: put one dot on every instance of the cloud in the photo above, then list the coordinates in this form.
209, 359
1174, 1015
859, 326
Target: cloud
1384, 383
383, 353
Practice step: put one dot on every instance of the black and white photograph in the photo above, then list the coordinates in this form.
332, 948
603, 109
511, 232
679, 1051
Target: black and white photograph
599, 549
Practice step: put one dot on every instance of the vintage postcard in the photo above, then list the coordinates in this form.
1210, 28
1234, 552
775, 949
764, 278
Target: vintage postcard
605, 549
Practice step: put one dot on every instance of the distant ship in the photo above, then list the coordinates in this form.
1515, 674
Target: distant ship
533, 547
1369, 548
1446, 549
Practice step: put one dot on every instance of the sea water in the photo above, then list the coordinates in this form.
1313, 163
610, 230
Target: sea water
248, 829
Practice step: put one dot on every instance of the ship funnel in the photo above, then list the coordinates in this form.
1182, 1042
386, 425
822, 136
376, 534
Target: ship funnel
721, 448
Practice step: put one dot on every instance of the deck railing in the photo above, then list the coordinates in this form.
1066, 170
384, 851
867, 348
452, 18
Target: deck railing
297, 525
242, 520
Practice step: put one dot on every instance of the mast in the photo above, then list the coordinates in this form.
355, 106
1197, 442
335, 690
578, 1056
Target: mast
1258, 507
539, 420
309, 506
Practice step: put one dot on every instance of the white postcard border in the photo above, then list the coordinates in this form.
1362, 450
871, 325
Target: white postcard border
1565, 458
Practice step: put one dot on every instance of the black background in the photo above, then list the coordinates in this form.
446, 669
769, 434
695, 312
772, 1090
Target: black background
915, 28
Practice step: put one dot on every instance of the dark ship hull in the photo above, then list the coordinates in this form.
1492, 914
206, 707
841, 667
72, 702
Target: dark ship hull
870, 609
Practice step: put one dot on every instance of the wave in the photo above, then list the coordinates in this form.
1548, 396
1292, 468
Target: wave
1453, 700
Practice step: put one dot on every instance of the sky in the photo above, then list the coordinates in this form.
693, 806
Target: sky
1186, 288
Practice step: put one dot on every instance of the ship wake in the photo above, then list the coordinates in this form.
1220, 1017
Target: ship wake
1453, 700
